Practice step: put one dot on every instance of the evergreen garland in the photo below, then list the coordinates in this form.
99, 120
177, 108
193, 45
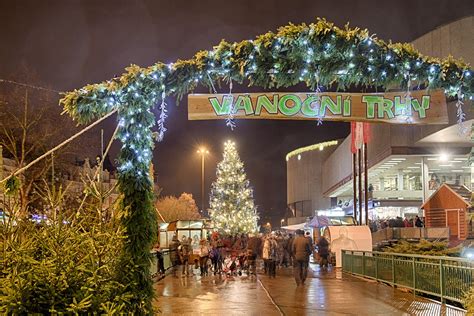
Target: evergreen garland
320, 53
316, 54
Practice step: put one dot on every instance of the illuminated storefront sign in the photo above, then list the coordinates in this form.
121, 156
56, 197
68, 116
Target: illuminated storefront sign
331, 213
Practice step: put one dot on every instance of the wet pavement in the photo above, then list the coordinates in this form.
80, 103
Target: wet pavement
326, 292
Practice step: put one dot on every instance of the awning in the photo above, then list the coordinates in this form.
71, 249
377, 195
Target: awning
294, 227
172, 226
319, 221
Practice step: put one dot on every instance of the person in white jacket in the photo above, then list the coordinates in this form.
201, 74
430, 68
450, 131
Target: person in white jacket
269, 255
204, 256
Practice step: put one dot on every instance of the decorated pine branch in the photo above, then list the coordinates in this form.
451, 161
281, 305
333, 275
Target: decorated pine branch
232, 207
318, 54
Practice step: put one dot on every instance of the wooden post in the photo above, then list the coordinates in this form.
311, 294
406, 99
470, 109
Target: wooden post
366, 185
354, 184
359, 154
202, 183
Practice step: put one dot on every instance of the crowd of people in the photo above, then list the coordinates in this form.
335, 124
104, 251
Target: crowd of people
396, 222
241, 254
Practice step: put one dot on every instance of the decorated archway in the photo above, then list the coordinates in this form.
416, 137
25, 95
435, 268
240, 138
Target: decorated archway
318, 55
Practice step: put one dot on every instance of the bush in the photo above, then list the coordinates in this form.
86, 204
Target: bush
424, 247
60, 267
66, 265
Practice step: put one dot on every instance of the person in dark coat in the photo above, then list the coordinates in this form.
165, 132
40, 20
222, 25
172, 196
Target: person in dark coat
323, 251
253, 247
174, 255
301, 249
289, 249
160, 266
310, 239
418, 222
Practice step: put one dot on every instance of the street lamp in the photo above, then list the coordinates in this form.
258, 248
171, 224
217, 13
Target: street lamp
202, 151
269, 227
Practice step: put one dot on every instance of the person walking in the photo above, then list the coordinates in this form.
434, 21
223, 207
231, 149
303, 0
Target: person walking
280, 240
269, 255
253, 246
174, 255
302, 250
323, 251
184, 252
216, 253
160, 266
289, 249
203, 257
310, 240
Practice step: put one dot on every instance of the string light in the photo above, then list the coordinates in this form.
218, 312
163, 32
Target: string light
232, 208
139, 90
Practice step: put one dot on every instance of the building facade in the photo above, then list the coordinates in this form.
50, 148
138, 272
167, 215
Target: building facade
407, 164
74, 180
304, 178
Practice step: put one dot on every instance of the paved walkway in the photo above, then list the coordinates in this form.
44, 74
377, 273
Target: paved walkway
326, 293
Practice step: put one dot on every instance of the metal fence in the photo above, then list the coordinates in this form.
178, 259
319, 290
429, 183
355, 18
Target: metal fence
443, 277
166, 262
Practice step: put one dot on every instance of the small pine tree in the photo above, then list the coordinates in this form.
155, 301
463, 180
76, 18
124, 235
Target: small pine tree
232, 208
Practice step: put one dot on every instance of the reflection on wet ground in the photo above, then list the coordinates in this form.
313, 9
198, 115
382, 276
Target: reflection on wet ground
327, 292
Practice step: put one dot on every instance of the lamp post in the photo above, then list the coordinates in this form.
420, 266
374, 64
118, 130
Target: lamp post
269, 227
202, 151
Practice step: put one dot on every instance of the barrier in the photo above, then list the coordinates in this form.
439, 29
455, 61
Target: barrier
166, 262
443, 277
392, 233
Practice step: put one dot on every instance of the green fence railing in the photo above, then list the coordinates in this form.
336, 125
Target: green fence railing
444, 277
166, 262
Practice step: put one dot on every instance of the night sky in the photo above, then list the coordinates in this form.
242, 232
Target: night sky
72, 43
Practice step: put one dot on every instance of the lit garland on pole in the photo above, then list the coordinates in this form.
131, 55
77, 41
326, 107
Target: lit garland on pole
319, 54
232, 208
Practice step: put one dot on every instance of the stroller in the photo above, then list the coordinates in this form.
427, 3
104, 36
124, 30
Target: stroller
231, 266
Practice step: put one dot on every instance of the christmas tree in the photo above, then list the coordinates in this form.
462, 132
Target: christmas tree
232, 208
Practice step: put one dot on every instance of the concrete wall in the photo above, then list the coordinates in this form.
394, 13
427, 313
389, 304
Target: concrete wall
304, 178
454, 39
451, 39
337, 166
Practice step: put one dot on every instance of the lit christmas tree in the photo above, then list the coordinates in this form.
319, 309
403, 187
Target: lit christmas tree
232, 207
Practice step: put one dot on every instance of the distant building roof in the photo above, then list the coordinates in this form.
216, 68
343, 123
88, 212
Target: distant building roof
460, 190
319, 146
